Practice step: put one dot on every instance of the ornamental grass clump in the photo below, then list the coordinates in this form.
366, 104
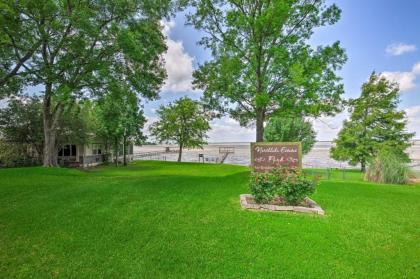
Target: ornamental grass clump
291, 185
388, 167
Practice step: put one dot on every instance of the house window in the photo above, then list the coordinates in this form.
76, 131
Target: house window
96, 149
121, 150
67, 150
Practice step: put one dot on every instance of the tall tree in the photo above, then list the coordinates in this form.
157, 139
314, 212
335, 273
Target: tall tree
262, 63
73, 48
290, 129
375, 124
21, 123
133, 123
183, 122
77, 124
120, 119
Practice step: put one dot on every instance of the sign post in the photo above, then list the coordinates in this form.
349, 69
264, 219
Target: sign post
266, 156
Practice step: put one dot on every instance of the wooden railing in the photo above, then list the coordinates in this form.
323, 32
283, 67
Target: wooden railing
91, 159
171, 149
226, 149
155, 155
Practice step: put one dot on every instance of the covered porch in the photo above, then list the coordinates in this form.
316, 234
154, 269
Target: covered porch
81, 155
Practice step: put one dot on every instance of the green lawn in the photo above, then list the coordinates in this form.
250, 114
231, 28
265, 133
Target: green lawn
170, 220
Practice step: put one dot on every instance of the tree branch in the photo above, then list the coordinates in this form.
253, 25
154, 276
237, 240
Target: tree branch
20, 62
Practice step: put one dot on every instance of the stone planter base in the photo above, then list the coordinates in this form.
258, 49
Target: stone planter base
247, 202
414, 181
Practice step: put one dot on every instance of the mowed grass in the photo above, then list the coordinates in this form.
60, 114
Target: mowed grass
170, 220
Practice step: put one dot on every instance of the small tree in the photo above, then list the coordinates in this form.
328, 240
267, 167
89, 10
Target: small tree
375, 124
21, 124
182, 122
290, 129
120, 120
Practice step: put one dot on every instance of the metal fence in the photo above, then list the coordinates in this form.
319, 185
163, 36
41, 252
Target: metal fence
155, 155
334, 173
22, 162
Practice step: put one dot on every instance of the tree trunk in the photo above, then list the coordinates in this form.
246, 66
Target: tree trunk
105, 152
260, 125
363, 166
124, 151
116, 152
180, 153
50, 151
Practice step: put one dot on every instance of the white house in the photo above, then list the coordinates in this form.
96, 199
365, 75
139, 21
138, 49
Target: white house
87, 155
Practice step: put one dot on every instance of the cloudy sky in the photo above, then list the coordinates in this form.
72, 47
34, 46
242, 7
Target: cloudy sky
380, 35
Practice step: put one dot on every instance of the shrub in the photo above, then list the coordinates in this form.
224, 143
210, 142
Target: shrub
295, 187
264, 186
16, 155
290, 184
290, 129
388, 167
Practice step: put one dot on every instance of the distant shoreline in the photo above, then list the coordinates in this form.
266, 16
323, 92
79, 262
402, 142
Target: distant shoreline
319, 156
248, 142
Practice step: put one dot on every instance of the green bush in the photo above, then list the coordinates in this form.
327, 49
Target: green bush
295, 187
291, 129
289, 184
388, 167
16, 155
264, 186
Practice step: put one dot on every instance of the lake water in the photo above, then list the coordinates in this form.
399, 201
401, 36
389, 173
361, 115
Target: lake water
318, 157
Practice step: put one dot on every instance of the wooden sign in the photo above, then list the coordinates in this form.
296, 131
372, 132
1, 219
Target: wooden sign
266, 156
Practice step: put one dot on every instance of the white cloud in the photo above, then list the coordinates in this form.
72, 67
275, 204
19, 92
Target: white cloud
4, 102
416, 69
413, 120
399, 49
327, 127
224, 129
146, 130
227, 129
178, 63
167, 26
406, 80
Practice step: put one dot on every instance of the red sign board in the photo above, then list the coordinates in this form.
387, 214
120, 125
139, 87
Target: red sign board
266, 156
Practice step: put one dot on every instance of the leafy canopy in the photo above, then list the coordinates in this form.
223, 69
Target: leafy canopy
76, 49
288, 129
262, 62
120, 116
73, 44
375, 123
182, 122
21, 123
